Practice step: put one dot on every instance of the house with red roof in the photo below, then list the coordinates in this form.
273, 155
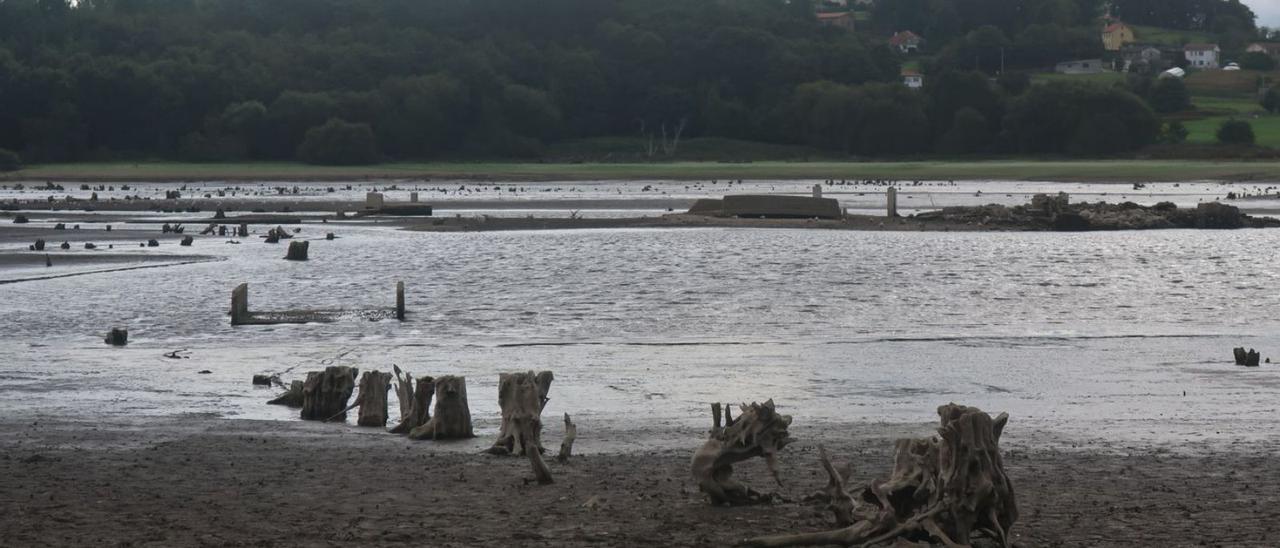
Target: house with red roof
906, 41
1115, 35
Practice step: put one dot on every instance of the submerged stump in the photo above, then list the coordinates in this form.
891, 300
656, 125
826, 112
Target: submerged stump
291, 398
451, 418
119, 336
325, 393
297, 251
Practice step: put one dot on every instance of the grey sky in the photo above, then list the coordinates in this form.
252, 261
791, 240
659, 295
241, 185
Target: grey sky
1268, 11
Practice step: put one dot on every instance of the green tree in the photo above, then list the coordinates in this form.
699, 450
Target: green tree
1256, 60
969, 133
1235, 132
338, 142
1170, 95
9, 160
1172, 133
1271, 100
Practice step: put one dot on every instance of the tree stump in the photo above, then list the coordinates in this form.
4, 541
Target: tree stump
415, 401
373, 398
1252, 358
400, 301
297, 251
291, 398
1240, 355
451, 418
566, 445
522, 396
39, 246
944, 490
118, 336
187, 241
759, 431
325, 393
243, 231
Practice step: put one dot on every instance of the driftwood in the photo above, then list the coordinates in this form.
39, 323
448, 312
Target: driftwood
566, 446
522, 396
373, 398
759, 431
944, 490
451, 418
325, 393
291, 398
415, 401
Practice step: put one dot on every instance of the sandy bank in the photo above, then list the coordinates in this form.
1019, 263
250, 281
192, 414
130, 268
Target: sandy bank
198, 480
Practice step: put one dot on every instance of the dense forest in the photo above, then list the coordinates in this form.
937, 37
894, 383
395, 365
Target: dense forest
356, 81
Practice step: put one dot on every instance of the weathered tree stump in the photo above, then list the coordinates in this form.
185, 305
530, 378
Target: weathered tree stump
522, 396
944, 490
39, 246
153, 243
187, 241
297, 251
325, 394
265, 380
1240, 355
415, 401
759, 431
291, 398
566, 446
373, 399
400, 301
1252, 358
240, 305
451, 418
118, 336
243, 231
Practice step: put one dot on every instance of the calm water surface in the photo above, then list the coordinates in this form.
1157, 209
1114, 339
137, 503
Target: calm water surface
1122, 335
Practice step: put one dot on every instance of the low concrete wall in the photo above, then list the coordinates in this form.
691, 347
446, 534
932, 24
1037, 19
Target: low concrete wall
782, 207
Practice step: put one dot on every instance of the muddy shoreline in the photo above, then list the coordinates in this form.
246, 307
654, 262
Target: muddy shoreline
199, 480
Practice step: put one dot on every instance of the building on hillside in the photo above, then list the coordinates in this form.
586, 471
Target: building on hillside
1082, 66
1202, 56
906, 41
1115, 35
912, 78
1140, 58
834, 4
842, 19
1269, 48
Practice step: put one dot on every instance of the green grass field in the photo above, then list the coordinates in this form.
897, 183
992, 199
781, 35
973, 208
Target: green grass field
1100, 78
1053, 170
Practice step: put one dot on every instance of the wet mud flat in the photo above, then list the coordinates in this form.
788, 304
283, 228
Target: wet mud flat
197, 480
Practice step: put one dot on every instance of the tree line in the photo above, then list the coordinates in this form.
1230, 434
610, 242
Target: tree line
357, 81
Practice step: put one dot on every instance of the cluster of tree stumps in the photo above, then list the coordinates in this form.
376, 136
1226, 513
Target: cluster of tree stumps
1250, 358
947, 490
522, 397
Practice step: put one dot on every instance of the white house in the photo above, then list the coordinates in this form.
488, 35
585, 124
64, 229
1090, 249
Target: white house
912, 79
1202, 56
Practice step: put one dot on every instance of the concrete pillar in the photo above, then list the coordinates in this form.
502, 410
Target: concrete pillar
373, 200
413, 197
892, 198
240, 304
400, 301
817, 191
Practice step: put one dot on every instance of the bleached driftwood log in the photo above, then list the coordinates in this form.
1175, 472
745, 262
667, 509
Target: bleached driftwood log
522, 396
944, 490
415, 401
759, 431
325, 394
291, 398
373, 398
451, 418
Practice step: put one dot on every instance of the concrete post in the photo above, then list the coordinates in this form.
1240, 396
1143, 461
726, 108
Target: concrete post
817, 191
892, 198
373, 200
240, 304
400, 301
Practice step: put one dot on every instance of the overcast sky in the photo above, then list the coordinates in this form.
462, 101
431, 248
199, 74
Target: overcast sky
1268, 11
